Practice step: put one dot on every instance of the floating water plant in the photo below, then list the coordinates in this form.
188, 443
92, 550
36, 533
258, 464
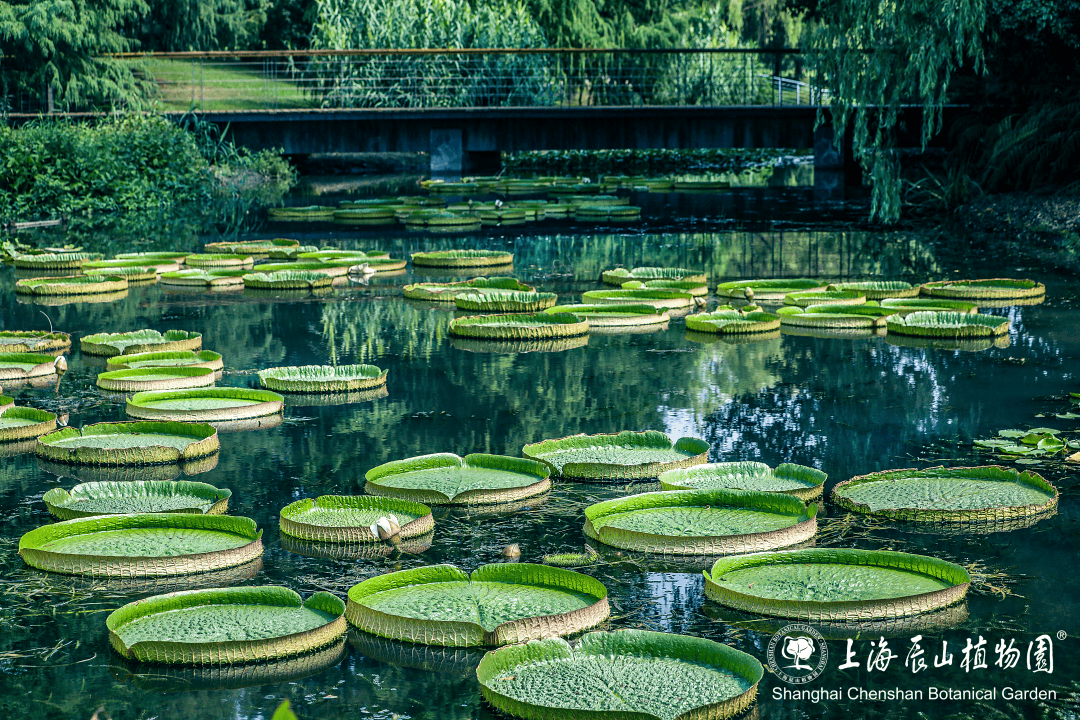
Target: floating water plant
607, 315
156, 378
701, 522
618, 456
219, 260
970, 495
1037, 442
287, 280
768, 290
350, 518
669, 299
252, 247
23, 423
204, 404
582, 559
495, 605
6, 403
462, 258
159, 265
330, 268
23, 366
65, 286
518, 327
991, 289
880, 289
54, 261
133, 273
30, 341
505, 301
825, 297
308, 213
176, 358
154, 255
948, 325
132, 443
222, 626
142, 545
695, 288
623, 674
732, 321
447, 479
137, 496
835, 317
445, 292
836, 584
803, 482
322, 378
140, 341
618, 276
204, 278
909, 305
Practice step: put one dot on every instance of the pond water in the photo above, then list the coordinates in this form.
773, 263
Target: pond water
846, 406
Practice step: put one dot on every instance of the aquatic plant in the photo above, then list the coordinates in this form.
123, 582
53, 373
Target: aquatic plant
129, 443
950, 325
136, 496
616, 456
322, 378
803, 482
445, 478
204, 404
518, 327
156, 378
462, 258
83, 285
140, 341
348, 518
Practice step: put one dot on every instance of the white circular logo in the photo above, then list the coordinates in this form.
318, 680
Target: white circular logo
797, 654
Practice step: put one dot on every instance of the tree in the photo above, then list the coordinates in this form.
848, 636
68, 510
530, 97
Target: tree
180, 25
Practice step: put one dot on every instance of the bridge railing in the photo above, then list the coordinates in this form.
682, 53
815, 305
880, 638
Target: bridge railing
272, 80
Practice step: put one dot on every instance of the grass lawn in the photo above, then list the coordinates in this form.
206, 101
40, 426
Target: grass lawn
223, 85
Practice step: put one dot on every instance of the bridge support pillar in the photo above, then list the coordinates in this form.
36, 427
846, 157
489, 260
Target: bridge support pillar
446, 152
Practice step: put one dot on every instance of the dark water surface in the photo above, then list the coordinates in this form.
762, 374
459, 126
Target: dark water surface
847, 406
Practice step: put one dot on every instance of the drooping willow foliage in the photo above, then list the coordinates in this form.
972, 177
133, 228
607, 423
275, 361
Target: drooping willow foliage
877, 56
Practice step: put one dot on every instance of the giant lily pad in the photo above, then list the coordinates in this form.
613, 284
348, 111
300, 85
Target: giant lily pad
618, 456
204, 278
803, 482
137, 496
22, 423
327, 269
730, 321
6, 403
768, 290
219, 260
204, 404
140, 341
54, 261
825, 297
64, 286
252, 247
177, 358
348, 518
948, 325
904, 306
495, 605
697, 289
445, 478
835, 317
131, 273
992, 289
156, 378
23, 366
988, 494
623, 674
445, 292
159, 265
462, 258
880, 289
701, 522
146, 545
221, 626
29, 341
505, 301
154, 255
836, 584
610, 315
136, 443
287, 280
670, 299
518, 327
618, 276
322, 378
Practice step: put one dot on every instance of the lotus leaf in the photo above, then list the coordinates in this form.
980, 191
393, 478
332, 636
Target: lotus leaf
85, 285
623, 674
620, 275
949, 325
29, 341
908, 305
133, 274
992, 289
21, 423
671, 299
803, 482
462, 258
54, 261
326, 269
289, 253
445, 292
225, 625
836, 584
156, 378
21, 366
697, 289
835, 317
518, 327
159, 265
137, 496
178, 358
287, 280
617, 456
880, 289
146, 545
508, 301
701, 522
825, 297
612, 315
733, 321
445, 478
348, 518
204, 404
768, 290
140, 341
204, 278
495, 605
137, 443
219, 260
322, 378
986, 494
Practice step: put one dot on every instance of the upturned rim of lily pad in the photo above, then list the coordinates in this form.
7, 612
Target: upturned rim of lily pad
445, 292
148, 340
620, 275
168, 358
535, 479
522, 326
462, 258
156, 378
204, 441
508, 301
40, 422
733, 322
614, 314
258, 403
694, 450
292, 520
42, 365
948, 325
809, 482
63, 504
69, 286
984, 289
49, 341
667, 299
322, 378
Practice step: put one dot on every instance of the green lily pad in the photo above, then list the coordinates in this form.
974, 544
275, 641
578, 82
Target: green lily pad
219, 260
518, 327
445, 478
204, 278
222, 626
825, 297
618, 276
623, 674
504, 301
22, 366
180, 358
22, 423
836, 584
991, 289
909, 305
617, 456
140, 341
326, 269
29, 341
137, 496
83, 285
462, 258
445, 292
732, 321
701, 522
668, 299
322, 378
768, 290
204, 404
156, 378
287, 280
835, 317
495, 605
880, 289
697, 289
609, 315
135, 443
54, 261
803, 482
348, 518
949, 325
